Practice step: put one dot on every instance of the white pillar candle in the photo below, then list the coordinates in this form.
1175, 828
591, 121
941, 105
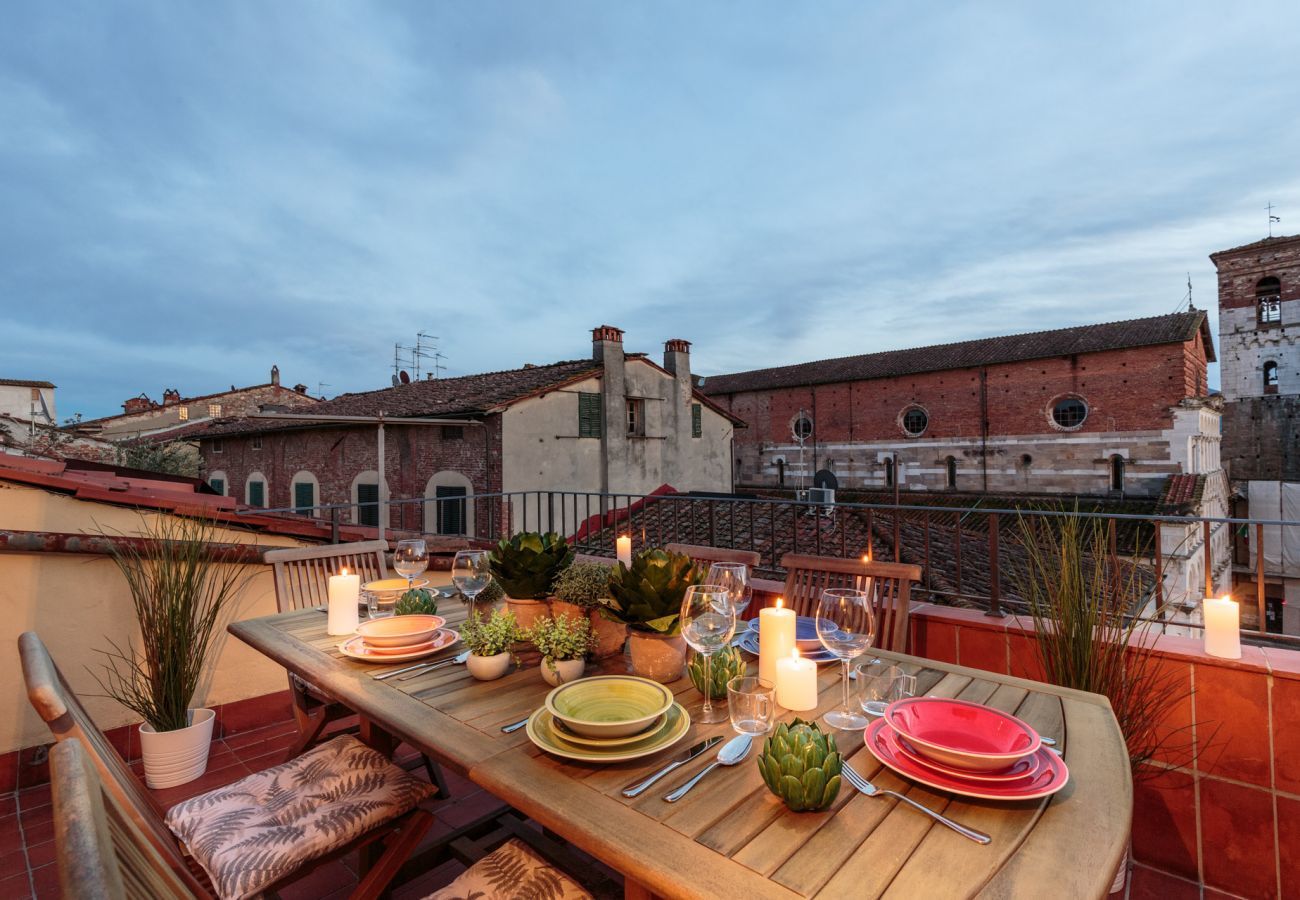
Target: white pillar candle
624, 548
1222, 628
796, 683
775, 638
344, 591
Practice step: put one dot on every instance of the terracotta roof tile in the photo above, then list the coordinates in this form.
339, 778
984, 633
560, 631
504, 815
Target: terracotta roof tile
1167, 329
1258, 245
18, 382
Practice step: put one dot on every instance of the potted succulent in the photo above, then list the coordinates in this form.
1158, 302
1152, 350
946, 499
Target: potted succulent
526, 566
488, 642
581, 591
181, 591
647, 598
563, 643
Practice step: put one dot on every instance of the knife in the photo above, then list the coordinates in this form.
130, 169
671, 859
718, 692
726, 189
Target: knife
637, 787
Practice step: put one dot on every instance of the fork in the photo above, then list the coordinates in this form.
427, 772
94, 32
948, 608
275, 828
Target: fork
866, 787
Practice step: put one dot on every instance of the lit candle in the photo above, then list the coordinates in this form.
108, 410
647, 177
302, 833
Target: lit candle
775, 638
624, 548
1223, 628
796, 682
344, 590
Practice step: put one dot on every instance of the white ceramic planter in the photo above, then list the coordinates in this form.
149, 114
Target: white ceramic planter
562, 672
488, 668
176, 757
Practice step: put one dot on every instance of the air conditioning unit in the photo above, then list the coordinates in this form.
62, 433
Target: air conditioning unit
821, 495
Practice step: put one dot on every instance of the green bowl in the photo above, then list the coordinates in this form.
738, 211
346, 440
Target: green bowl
609, 706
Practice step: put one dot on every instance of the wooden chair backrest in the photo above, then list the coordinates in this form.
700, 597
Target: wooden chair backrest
102, 854
706, 555
302, 574
55, 702
889, 584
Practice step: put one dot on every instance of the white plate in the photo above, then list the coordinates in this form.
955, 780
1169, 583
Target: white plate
355, 647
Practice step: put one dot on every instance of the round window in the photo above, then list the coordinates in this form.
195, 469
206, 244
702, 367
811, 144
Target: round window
802, 428
1069, 412
915, 421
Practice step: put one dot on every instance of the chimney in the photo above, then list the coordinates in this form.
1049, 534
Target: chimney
170, 396
275, 375
300, 388
677, 358
604, 339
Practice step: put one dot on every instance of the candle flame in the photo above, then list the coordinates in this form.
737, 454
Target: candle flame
794, 652
1228, 598
866, 557
780, 602
343, 571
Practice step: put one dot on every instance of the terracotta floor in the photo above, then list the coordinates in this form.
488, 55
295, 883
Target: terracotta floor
27, 833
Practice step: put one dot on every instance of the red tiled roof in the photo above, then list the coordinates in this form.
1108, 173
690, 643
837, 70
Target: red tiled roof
18, 382
1167, 329
1182, 490
181, 402
1258, 245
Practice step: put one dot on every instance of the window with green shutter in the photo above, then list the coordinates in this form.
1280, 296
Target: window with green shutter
218, 485
589, 419
304, 497
257, 493
697, 420
451, 512
368, 505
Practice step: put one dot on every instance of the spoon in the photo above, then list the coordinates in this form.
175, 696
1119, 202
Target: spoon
457, 660
732, 752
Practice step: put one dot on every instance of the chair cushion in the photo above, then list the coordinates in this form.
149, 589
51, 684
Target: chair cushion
256, 831
512, 872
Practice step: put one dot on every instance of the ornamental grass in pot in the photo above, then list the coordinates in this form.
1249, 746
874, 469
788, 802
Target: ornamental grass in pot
526, 567
488, 642
581, 592
563, 643
647, 598
181, 592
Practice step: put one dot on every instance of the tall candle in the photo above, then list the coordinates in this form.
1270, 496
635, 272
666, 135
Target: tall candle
623, 546
344, 591
796, 683
1223, 628
775, 638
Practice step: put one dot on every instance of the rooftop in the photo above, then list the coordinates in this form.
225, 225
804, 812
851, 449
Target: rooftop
18, 382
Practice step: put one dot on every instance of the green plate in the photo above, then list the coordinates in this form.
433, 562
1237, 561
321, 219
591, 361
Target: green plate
572, 737
541, 731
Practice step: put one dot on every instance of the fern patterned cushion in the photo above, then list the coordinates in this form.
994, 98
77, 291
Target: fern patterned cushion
256, 831
512, 872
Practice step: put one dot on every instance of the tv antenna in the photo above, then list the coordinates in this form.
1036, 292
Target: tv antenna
320, 387
414, 357
1272, 218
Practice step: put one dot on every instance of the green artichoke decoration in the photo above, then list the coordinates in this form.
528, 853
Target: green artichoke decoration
527, 564
648, 596
725, 665
801, 765
416, 601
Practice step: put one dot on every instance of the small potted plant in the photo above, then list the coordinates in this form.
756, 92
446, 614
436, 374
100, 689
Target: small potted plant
563, 643
488, 642
581, 592
647, 598
526, 566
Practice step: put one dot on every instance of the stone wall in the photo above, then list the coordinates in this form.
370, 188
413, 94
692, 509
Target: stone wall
1261, 439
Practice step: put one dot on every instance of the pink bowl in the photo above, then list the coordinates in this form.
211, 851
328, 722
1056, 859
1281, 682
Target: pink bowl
400, 631
963, 735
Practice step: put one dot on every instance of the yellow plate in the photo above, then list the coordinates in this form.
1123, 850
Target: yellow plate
676, 724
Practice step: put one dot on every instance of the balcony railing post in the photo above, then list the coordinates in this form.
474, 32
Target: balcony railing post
1259, 579
1160, 572
898, 515
995, 583
334, 525
1209, 561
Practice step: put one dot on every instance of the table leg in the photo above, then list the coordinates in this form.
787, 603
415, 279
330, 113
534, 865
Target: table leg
378, 738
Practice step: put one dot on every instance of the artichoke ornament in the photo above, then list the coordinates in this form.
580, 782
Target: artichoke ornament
801, 765
725, 665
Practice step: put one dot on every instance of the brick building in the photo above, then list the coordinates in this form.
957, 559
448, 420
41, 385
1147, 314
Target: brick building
1259, 337
616, 422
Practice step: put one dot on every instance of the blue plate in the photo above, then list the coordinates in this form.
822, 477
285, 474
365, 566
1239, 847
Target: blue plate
805, 632
748, 641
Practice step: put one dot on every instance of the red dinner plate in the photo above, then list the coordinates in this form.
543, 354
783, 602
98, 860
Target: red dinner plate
1027, 767
962, 735
883, 744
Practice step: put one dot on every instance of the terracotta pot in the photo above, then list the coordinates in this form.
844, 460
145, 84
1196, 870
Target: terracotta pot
562, 609
180, 756
488, 668
659, 657
527, 612
563, 671
610, 636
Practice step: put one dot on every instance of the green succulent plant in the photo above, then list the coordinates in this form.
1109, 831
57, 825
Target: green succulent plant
490, 636
560, 639
725, 665
415, 602
527, 564
584, 584
801, 765
648, 596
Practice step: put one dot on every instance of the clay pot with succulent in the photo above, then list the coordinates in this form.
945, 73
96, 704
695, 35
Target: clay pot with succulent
647, 598
581, 592
526, 567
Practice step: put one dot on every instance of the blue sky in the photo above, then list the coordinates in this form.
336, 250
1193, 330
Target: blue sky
194, 191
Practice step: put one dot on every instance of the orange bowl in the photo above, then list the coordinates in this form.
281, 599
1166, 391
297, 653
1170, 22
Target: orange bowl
400, 631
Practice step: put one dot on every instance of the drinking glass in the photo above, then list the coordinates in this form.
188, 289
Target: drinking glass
708, 621
375, 608
752, 704
735, 578
846, 626
471, 573
410, 559
881, 683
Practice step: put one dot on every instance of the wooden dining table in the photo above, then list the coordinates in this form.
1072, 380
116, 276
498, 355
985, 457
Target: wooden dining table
730, 837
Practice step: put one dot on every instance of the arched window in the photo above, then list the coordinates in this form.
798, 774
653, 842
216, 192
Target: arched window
452, 509
218, 482
304, 491
889, 472
1270, 377
255, 490
365, 498
1117, 473
952, 471
780, 471
1268, 301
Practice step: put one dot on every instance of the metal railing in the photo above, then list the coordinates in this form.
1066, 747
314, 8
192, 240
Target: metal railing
968, 555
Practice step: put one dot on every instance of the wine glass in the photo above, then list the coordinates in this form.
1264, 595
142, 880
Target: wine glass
470, 572
708, 621
735, 578
410, 559
846, 626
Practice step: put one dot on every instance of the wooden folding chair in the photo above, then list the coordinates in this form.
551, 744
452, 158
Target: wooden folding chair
707, 555
140, 835
889, 584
